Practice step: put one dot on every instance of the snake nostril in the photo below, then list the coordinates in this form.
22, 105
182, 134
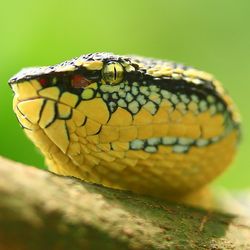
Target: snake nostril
43, 81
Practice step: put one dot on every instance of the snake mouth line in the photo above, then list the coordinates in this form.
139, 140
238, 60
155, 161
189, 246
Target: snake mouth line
45, 100
41, 97
57, 101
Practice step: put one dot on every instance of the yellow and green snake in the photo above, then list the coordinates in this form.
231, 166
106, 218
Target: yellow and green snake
128, 122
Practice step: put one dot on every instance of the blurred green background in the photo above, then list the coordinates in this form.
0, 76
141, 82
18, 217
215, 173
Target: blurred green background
212, 35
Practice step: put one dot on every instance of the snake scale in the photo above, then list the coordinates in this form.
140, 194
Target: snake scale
150, 126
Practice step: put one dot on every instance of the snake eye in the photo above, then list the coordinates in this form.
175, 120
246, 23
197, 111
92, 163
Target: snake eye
78, 81
113, 72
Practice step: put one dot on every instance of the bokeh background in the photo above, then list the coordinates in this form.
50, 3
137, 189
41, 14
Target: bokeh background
212, 35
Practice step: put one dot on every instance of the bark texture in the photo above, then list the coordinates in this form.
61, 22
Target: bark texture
40, 210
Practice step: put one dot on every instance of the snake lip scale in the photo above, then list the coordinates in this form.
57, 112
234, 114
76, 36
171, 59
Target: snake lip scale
150, 126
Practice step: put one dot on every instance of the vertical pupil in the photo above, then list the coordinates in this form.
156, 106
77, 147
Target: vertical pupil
115, 73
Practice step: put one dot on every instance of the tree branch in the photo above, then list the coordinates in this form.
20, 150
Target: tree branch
40, 210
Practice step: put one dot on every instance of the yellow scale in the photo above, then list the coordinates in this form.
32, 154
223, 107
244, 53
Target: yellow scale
89, 135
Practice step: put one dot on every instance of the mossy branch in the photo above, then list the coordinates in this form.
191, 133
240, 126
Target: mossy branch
40, 210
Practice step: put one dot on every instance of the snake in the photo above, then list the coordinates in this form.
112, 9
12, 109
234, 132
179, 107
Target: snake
150, 126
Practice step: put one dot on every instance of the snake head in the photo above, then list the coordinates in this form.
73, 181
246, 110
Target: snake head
48, 98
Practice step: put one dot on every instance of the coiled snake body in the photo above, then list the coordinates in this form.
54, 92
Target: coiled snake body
128, 122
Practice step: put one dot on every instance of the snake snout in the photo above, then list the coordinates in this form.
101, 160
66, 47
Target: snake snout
26, 90
28, 112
